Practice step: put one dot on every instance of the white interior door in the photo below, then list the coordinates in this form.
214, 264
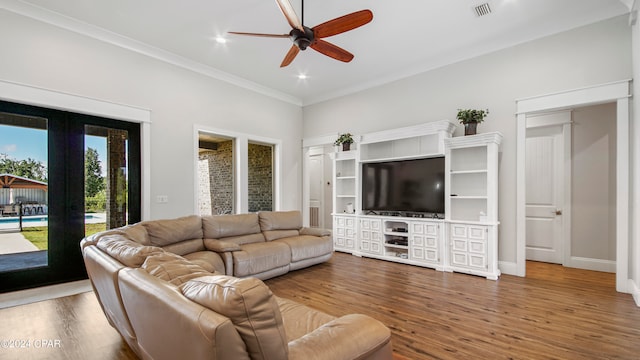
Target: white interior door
546, 156
316, 194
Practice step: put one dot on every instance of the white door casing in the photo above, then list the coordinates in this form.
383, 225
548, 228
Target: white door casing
618, 92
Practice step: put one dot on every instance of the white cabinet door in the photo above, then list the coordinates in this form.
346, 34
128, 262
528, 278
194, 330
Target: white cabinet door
469, 246
371, 236
344, 233
423, 242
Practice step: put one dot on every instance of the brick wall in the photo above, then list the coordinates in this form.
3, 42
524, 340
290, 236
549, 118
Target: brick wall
215, 174
260, 178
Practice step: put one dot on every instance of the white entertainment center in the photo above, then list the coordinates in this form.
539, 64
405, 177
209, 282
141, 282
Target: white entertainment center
463, 239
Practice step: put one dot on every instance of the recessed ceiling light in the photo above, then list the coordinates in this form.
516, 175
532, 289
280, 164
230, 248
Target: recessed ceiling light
302, 76
221, 40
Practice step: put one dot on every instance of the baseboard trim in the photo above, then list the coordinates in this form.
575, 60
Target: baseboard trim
29, 296
592, 264
508, 267
635, 291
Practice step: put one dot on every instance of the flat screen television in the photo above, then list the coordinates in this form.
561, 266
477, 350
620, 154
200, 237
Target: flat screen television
404, 186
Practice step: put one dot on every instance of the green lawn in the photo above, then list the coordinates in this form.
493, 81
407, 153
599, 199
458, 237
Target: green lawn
38, 235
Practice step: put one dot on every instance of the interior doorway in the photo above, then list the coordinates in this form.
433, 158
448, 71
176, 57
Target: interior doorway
616, 93
571, 187
548, 192
320, 192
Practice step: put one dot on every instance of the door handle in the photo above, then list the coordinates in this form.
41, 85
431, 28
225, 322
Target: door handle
557, 212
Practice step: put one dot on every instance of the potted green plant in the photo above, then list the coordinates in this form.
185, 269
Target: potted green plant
345, 140
470, 118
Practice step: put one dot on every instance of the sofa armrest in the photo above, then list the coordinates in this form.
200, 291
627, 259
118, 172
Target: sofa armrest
220, 246
353, 336
315, 231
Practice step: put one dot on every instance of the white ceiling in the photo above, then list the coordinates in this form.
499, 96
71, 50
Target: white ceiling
405, 37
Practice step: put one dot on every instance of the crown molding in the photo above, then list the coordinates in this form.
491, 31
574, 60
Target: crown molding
95, 32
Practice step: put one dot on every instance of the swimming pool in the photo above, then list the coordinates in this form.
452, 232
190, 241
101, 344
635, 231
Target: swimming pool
43, 219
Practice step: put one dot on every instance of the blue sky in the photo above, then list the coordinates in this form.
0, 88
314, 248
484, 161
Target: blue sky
21, 143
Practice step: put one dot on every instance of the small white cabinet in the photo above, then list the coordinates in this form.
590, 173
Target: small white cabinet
370, 235
425, 242
344, 233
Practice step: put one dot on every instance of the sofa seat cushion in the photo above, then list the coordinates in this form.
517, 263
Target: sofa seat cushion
260, 257
307, 247
250, 306
299, 319
127, 252
209, 260
173, 268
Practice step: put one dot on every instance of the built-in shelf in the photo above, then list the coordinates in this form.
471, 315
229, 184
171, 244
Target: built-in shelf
465, 240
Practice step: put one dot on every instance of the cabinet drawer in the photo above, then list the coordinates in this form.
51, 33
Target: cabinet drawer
459, 231
459, 245
417, 228
459, 258
431, 242
350, 243
477, 247
340, 221
477, 232
478, 261
431, 255
417, 240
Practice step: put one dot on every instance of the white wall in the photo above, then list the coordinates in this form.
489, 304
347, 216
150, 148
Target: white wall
634, 249
593, 198
590, 55
42, 55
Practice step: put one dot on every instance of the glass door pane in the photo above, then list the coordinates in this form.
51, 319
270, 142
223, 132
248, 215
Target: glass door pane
24, 192
260, 177
216, 175
106, 178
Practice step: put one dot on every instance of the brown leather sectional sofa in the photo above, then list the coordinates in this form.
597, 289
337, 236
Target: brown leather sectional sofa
190, 288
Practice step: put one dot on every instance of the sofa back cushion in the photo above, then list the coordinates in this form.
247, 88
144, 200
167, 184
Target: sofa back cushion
240, 229
280, 224
173, 268
127, 252
136, 232
252, 308
168, 232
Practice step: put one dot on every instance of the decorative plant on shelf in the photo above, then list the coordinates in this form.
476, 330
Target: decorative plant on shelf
346, 140
470, 118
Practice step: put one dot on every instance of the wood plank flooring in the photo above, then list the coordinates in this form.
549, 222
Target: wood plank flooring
554, 313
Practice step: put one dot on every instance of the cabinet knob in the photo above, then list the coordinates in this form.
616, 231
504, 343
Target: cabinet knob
557, 212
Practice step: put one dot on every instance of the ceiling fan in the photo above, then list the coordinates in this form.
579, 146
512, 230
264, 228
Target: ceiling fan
303, 36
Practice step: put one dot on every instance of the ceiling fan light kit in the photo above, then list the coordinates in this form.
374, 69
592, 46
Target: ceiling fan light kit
304, 37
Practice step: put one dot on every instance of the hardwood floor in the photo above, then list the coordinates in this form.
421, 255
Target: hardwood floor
554, 313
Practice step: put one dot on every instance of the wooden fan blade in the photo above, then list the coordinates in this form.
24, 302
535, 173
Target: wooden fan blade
290, 56
331, 50
290, 14
343, 23
259, 34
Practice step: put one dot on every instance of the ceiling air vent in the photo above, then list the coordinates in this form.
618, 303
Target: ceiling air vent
482, 9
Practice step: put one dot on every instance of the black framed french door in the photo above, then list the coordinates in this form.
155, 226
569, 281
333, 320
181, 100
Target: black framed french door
82, 153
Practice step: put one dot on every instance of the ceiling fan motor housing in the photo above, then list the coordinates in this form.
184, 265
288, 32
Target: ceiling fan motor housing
302, 39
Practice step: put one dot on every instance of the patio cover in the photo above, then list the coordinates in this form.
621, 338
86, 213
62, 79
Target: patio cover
9, 181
